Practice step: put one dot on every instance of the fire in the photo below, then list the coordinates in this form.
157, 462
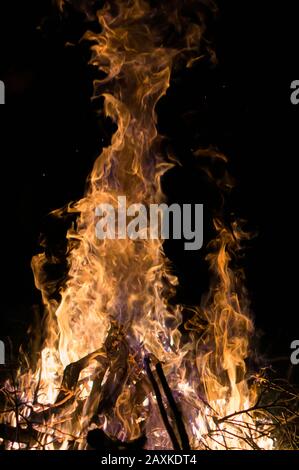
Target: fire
113, 313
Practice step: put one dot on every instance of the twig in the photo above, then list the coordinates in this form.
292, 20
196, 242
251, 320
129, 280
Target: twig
177, 413
163, 412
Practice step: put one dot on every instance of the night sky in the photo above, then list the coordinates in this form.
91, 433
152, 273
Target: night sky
50, 134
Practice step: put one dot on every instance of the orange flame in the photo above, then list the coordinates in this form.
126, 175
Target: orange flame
113, 309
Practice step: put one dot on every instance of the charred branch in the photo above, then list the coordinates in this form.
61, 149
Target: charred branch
176, 412
99, 440
163, 412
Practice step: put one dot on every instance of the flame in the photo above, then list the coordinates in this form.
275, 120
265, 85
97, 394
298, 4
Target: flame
113, 310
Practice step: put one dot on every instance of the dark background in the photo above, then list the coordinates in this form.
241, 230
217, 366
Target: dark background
50, 135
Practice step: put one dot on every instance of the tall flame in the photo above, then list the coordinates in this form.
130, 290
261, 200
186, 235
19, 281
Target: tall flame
113, 310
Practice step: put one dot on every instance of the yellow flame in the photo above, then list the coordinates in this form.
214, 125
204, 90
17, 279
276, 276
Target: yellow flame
124, 285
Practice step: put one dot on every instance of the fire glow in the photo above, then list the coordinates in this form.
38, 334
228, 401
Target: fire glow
114, 357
